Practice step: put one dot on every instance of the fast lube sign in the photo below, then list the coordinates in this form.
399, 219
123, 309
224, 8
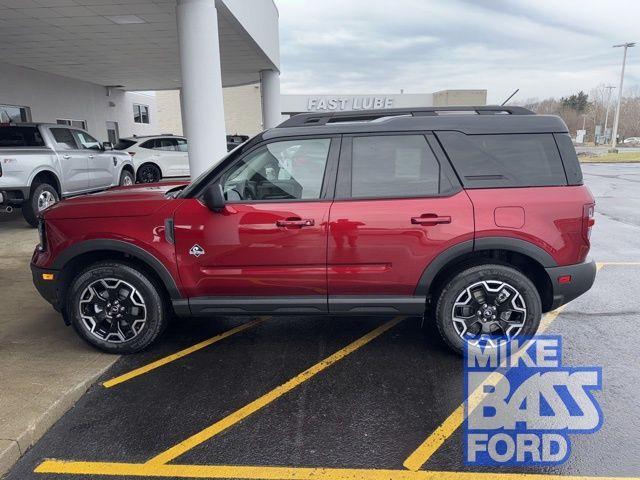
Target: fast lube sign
523, 403
349, 103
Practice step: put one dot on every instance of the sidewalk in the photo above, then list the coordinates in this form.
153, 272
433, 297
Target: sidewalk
44, 367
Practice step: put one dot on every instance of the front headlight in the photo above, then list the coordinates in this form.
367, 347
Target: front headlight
42, 234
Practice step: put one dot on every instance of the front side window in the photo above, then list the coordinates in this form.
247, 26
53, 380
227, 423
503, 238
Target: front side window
389, 166
182, 145
64, 138
140, 113
87, 142
288, 170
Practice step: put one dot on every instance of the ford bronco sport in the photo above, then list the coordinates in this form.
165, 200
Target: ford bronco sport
475, 216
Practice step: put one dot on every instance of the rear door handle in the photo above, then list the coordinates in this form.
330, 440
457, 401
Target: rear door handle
90, 156
296, 222
430, 219
66, 157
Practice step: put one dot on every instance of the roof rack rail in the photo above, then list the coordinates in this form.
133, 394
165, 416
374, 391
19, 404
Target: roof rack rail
322, 118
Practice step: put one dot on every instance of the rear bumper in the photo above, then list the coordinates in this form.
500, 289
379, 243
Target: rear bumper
13, 195
48, 289
582, 278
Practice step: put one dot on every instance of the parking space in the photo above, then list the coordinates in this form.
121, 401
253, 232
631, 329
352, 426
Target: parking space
338, 398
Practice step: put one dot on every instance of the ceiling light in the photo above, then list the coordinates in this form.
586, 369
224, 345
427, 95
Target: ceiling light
125, 19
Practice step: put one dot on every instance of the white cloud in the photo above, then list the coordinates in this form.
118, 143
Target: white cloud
545, 48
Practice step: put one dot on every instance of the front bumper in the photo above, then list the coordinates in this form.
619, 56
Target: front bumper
47, 288
582, 276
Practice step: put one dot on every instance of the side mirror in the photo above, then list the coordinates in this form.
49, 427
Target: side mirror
213, 198
107, 146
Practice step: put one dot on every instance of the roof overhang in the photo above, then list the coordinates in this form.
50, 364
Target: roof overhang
133, 46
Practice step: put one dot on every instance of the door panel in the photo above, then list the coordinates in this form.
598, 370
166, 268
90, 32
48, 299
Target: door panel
376, 249
101, 163
247, 253
74, 162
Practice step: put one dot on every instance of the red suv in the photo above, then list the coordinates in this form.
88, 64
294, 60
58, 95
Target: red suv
475, 216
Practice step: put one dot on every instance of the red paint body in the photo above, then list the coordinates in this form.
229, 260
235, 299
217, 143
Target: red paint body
363, 247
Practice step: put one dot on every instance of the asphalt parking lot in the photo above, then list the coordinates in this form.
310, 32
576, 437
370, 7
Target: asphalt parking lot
338, 398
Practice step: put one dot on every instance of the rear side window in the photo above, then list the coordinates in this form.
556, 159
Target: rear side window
20, 137
506, 160
393, 166
123, 144
64, 138
569, 158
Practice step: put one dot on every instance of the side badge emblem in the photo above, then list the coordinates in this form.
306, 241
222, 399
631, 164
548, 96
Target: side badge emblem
196, 250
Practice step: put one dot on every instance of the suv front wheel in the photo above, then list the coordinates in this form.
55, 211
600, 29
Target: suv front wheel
116, 308
486, 304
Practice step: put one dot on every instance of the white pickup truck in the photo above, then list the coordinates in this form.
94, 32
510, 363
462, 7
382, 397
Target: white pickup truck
41, 163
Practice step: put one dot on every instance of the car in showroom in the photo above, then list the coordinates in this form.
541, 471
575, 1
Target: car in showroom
477, 217
41, 163
163, 156
157, 157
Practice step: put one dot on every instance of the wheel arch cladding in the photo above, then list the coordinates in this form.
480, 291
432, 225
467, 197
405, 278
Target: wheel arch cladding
525, 256
81, 254
47, 176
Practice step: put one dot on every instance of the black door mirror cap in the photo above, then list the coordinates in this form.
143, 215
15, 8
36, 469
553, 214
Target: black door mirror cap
213, 198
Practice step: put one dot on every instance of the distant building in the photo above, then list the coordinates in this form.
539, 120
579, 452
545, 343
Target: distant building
243, 113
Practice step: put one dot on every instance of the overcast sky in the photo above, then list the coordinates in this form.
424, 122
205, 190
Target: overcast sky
545, 48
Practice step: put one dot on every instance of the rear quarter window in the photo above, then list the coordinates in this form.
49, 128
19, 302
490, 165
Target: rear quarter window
504, 160
123, 144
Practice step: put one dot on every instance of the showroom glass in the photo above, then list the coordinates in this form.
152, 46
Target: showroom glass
290, 170
15, 114
87, 141
506, 160
393, 166
64, 138
72, 123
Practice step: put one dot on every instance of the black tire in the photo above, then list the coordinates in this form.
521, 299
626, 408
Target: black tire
154, 308
31, 208
491, 272
126, 178
149, 173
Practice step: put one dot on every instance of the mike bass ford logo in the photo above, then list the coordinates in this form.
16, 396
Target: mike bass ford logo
523, 404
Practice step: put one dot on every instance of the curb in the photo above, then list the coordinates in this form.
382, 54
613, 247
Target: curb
12, 449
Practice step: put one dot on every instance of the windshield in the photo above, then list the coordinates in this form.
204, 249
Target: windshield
204, 177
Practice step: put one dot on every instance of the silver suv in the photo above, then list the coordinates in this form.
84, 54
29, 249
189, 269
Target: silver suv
42, 163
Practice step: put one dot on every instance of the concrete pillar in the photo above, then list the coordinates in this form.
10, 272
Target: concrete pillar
270, 91
202, 104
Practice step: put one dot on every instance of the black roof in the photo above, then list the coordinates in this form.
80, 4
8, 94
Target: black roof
469, 120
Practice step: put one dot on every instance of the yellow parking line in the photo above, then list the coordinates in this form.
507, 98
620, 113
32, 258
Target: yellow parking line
599, 265
433, 442
284, 473
182, 353
269, 397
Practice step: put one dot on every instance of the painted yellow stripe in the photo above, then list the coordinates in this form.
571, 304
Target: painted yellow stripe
269, 397
420, 455
599, 265
284, 473
182, 353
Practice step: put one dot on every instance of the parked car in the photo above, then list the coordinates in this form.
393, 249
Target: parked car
631, 141
157, 157
479, 221
163, 156
42, 163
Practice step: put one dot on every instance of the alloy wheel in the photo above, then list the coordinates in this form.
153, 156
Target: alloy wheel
112, 310
488, 312
45, 200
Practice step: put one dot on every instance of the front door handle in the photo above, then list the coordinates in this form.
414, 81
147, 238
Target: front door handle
66, 157
296, 222
430, 219
90, 157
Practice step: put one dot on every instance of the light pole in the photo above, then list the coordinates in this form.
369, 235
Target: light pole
606, 116
614, 134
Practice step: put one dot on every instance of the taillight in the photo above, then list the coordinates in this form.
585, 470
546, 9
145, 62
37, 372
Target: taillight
588, 219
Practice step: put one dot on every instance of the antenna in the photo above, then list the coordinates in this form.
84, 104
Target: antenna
510, 97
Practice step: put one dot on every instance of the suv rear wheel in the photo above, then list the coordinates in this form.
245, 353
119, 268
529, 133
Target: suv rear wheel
487, 303
42, 196
149, 173
116, 308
